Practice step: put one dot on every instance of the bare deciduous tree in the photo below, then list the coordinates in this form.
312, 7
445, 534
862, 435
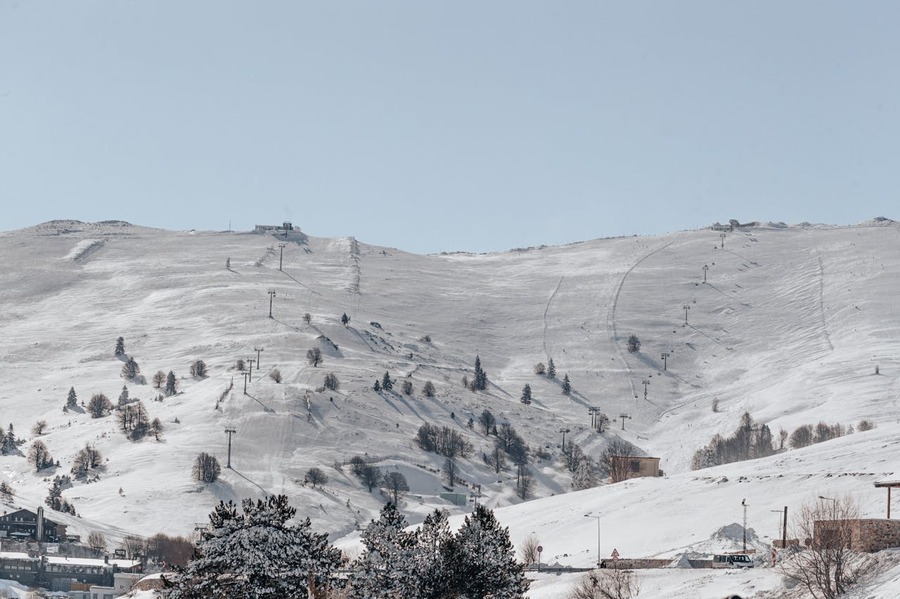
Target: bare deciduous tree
206, 468
314, 356
99, 405
396, 483
315, 476
616, 469
827, 566
159, 378
613, 583
97, 542
528, 550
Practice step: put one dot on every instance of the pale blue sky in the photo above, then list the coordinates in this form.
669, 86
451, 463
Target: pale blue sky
442, 126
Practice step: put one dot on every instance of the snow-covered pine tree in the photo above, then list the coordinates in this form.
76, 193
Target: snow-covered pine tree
130, 369
566, 386
256, 553
431, 561
484, 562
123, 396
586, 475
120, 347
386, 383
10, 443
385, 569
479, 383
551, 369
72, 399
170, 383
526, 394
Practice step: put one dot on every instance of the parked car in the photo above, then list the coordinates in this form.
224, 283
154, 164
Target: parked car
736, 560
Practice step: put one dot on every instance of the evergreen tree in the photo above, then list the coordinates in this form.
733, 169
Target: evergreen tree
385, 569
483, 559
123, 396
256, 553
10, 445
634, 344
566, 386
487, 421
72, 399
586, 475
386, 383
130, 369
431, 561
120, 347
428, 389
170, 383
479, 383
156, 428
526, 395
551, 369
377, 386
345, 320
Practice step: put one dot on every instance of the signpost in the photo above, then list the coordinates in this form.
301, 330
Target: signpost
540, 549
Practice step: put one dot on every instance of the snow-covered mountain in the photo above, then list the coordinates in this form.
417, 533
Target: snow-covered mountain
789, 323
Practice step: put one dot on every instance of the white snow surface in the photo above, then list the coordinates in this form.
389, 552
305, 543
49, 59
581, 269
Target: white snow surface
790, 325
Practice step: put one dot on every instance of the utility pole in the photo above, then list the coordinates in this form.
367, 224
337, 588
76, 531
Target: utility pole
564, 431
251, 360
229, 432
784, 529
744, 503
281, 256
686, 308
594, 412
645, 382
623, 417
272, 295
257, 350
245, 381
475, 494
665, 358
705, 268
590, 515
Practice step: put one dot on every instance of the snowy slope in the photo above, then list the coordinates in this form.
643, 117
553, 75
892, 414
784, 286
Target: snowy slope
790, 325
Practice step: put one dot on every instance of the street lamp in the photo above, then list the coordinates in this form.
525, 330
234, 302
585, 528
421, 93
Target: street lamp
588, 515
780, 514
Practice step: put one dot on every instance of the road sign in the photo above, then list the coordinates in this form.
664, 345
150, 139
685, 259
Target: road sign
615, 554
540, 548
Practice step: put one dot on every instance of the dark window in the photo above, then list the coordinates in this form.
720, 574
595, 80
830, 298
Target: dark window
635, 466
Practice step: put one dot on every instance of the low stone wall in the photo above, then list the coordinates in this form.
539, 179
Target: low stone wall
875, 535
636, 564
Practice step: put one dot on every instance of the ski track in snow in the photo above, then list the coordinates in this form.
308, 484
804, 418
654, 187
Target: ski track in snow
546, 310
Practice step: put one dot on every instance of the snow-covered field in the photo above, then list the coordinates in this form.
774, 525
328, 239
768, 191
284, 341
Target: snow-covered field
790, 325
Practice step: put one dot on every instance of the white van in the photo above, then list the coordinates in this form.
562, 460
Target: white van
737, 560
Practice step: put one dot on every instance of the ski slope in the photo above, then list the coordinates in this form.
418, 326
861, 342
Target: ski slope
789, 325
